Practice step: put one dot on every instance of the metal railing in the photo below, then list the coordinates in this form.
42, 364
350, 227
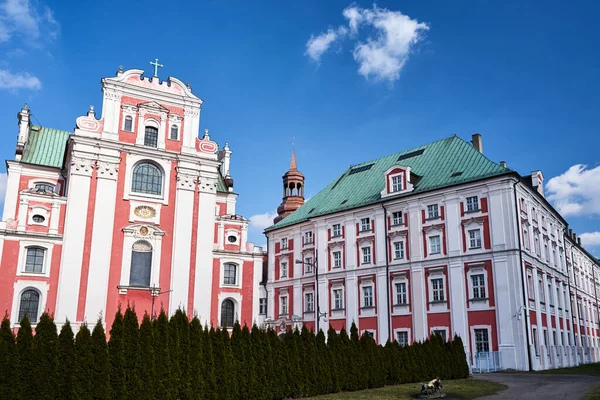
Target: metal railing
488, 361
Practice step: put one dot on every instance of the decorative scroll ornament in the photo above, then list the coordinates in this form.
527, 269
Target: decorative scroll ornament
107, 169
207, 185
186, 181
145, 212
89, 122
82, 165
206, 145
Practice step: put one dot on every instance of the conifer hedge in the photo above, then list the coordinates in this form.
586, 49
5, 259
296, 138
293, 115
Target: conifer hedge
180, 359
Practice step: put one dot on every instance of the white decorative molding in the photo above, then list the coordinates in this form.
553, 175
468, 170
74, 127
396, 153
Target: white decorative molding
207, 185
107, 169
82, 166
144, 212
186, 180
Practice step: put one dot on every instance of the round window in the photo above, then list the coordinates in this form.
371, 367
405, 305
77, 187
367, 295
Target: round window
39, 219
232, 239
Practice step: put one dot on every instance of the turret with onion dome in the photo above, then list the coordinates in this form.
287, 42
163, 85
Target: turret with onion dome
293, 191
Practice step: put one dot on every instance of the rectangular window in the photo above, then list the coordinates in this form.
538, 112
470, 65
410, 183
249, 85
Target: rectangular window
284, 305
308, 265
367, 296
229, 274
550, 297
397, 218
284, 270
338, 299
438, 289
441, 333
535, 342
337, 259
546, 341
526, 238
366, 255
402, 338
336, 230
309, 302
472, 203
399, 250
397, 183
262, 306
541, 290
284, 244
401, 297
478, 286
530, 288
536, 242
482, 342
434, 245
365, 224
432, 211
308, 237
34, 260
546, 251
475, 239
558, 297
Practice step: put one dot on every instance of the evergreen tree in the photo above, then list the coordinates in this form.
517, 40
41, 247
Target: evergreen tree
210, 380
326, 378
101, 377
197, 361
9, 362
25, 354
84, 364
257, 350
163, 386
66, 363
175, 355
182, 324
131, 353
116, 351
146, 369
310, 363
44, 375
238, 361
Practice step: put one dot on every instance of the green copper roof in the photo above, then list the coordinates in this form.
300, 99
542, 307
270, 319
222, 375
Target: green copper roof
221, 184
443, 163
45, 146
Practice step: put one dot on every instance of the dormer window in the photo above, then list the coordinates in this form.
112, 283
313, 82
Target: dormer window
397, 182
128, 124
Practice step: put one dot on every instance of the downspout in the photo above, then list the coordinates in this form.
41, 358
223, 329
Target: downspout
523, 282
387, 271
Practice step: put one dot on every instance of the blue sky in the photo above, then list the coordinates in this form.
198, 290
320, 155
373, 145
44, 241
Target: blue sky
350, 81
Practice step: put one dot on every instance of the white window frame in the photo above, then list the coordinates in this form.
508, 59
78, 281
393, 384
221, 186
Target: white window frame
164, 165
237, 274
308, 264
433, 211
475, 242
473, 270
283, 267
437, 305
262, 302
365, 222
398, 294
308, 294
489, 333
367, 294
23, 246
472, 205
283, 301
178, 126
399, 185
334, 228
18, 288
431, 248
39, 209
433, 329
399, 248
366, 256
338, 286
308, 237
154, 237
397, 221
439, 291
334, 261
284, 244
402, 330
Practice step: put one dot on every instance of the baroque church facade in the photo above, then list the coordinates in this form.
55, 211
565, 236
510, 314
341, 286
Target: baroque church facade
130, 208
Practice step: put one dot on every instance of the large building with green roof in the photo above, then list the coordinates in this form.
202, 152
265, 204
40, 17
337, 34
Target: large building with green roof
437, 239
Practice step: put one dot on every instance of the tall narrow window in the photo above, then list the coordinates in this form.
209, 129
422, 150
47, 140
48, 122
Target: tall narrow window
309, 302
308, 237
472, 203
147, 178
141, 264
128, 125
530, 288
401, 293
434, 245
438, 289
399, 250
478, 286
541, 290
337, 259
284, 305
308, 265
367, 296
338, 299
174, 133
227, 313
284, 270
475, 239
151, 137
397, 183
34, 261
336, 230
284, 244
229, 274
366, 255
30, 303
482, 342
397, 218
262, 305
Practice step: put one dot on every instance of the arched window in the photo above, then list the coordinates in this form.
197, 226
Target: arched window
44, 187
229, 274
151, 137
141, 264
174, 132
34, 261
30, 303
227, 313
128, 125
147, 178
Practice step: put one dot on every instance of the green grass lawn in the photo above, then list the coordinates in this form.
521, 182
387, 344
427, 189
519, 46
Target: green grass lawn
466, 388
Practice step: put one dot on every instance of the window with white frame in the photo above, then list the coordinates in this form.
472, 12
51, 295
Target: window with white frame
283, 305
309, 302
402, 338
336, 230
536, 242
526, 238
34, 260
397, 183
432, 211
338, 299
262, 305
482, 341
475, 238
366, 255
541, 290
174, 135
337, 259
399, 250
397, 218
367, 296
44, 188
147, 178
29, 305
472, 203
308, 265
437, 286
434, 245
141, 264
401, 296
284, 269
535, 341
546, 251
478, 282
440, 332
227, 313
284, 243
365, 224
550, 295
151, 136
530, 287
558, 297
128, 124
308, 237
229, 274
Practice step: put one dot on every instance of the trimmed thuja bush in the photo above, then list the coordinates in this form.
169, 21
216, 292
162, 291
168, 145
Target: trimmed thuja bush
180, 359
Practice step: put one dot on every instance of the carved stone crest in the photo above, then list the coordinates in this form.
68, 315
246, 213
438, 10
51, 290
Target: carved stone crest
145, 212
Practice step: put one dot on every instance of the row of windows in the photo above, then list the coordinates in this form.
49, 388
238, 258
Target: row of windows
151, 133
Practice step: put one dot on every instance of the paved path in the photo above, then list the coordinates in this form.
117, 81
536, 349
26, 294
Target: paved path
540, 386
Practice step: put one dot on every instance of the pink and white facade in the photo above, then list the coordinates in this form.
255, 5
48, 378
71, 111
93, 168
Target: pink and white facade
137, 210
464, 259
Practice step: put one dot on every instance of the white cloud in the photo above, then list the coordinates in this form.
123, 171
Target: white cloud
590, 239
22, 18
576, 192
20, 80
262, 221
384, 52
